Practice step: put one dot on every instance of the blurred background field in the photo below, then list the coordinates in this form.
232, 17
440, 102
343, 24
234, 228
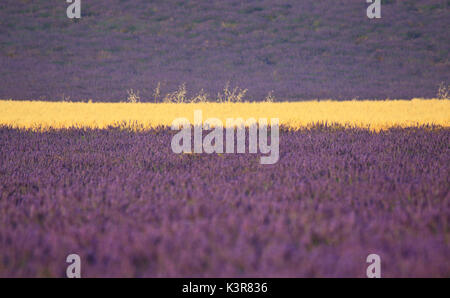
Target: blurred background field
299, 49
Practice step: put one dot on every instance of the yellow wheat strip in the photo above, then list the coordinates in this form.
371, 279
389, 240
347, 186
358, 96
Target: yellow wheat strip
375, 115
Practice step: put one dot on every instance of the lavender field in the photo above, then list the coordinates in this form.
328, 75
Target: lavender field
352, 178
130, 207
301, 50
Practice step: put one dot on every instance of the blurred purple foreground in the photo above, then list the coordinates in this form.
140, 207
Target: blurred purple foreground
130, 207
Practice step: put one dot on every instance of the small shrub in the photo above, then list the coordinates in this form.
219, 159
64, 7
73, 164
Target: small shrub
202, 96
157, 92
178, 96
443, 91
65, 98
133, 97
270, 97
228, 95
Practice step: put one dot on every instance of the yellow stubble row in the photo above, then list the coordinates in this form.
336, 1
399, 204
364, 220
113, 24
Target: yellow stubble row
375, 115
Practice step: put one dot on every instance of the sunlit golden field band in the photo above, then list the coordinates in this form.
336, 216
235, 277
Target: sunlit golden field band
375, 115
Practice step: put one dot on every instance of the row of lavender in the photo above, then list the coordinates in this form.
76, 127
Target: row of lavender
130, 207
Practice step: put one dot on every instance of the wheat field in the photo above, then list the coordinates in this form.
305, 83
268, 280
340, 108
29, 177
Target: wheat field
374, 115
